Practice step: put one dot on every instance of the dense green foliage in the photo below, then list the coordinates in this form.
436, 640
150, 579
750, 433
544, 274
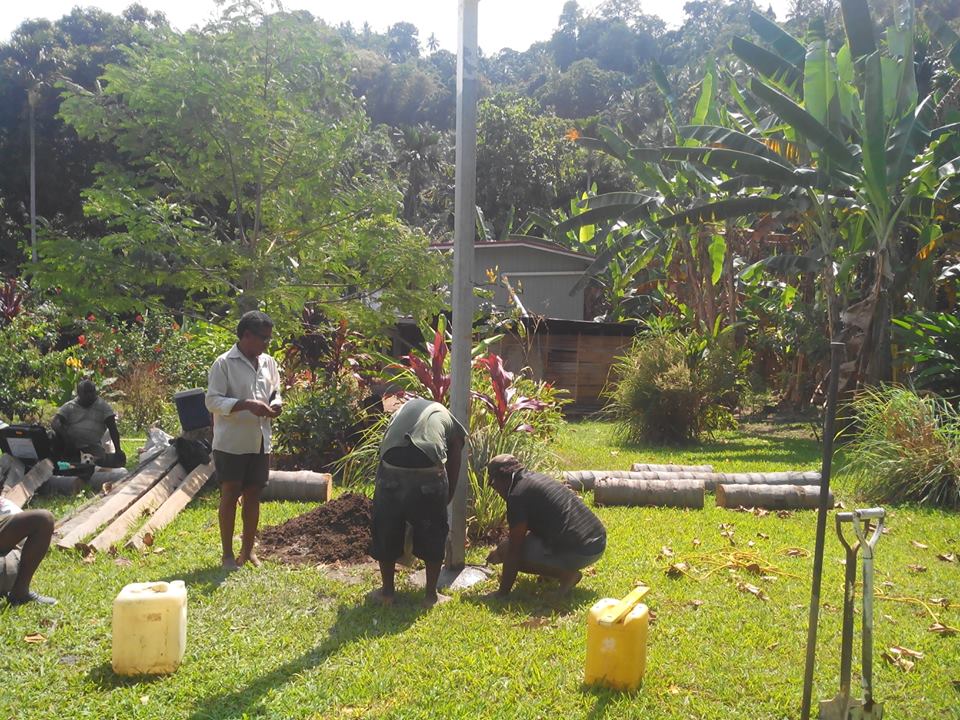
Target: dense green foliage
672, 387
906, 448
314, 428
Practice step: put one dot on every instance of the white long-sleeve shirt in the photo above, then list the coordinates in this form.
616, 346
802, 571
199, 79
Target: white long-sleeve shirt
233, 378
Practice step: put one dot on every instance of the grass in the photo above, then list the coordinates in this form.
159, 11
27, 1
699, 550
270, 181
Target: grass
285, 643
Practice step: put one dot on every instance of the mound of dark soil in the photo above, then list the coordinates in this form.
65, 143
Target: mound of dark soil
337, 531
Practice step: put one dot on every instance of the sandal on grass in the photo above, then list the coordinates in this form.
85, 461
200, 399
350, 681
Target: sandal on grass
31, 597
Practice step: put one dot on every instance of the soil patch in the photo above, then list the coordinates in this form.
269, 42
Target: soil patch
337, 531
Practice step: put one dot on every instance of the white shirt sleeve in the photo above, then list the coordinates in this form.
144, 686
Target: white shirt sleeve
217, 400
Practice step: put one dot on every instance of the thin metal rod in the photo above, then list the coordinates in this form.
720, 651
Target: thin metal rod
836, 357
465, 193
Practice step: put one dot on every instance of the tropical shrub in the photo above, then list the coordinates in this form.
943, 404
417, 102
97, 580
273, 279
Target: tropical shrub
29, 369
905, 447
932, 343
510, 414
671, 387
317, 421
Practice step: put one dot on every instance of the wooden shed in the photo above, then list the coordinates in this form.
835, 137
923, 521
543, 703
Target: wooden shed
573, 355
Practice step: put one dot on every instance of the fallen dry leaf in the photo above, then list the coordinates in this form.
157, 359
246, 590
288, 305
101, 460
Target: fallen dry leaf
889, 619
769, 578
942, 629
34, 639
696, 542
941, 601
666, 552
673, 690
917, 568
750, 543
677, 570
760, 512
838, 505
753, 590
122, 562
753, 567
898, 660
534, 622
695, 604
947, 557
89, 558
783, 514
148, 539
919, 545
796, 552
159, 550
763, 536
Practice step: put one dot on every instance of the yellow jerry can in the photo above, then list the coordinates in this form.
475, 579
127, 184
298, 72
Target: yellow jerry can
149, 628
617, 641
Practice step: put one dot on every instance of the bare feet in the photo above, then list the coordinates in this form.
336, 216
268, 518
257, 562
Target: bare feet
436, 599
569, 582
378, 597
243, 558
228, 562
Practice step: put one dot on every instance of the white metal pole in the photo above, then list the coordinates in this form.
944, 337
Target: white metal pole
463, 237
33, 179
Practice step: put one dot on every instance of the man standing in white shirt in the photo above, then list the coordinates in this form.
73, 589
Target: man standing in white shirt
243, 394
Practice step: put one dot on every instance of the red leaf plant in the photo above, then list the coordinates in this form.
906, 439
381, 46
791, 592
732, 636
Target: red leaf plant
431, 372
505, 402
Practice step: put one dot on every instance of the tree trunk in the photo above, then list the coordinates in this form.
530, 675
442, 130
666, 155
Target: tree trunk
302, 485
588, 479
770, 497
21, 493
660, 493
651, 467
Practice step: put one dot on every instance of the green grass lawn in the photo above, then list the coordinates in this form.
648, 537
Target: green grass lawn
279, 642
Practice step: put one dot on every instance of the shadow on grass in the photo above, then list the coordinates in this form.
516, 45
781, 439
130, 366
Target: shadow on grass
538, 599
203, 581
353, 623
104, 678
769, 448
603, 698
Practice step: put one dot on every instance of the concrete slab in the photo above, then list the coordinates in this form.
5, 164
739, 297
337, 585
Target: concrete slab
454, 579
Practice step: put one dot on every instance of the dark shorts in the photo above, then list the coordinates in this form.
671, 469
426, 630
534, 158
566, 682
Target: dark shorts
409, 495
249, 469
536, 552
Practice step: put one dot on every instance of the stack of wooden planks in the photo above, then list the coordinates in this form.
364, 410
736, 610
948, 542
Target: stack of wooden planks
157, 491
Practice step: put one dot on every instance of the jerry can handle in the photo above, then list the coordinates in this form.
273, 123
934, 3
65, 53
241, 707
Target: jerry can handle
616, 613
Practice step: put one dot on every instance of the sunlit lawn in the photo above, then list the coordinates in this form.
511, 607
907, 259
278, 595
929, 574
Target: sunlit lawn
279, 642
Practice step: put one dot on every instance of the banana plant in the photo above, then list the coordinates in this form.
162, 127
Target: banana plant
839, 142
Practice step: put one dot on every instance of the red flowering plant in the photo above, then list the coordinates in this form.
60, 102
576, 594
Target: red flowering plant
504, 401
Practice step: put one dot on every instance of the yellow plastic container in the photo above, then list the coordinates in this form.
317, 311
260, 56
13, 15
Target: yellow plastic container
617, 641
149, 628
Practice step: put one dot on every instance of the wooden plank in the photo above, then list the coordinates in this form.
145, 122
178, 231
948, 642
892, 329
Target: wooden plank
115, 504
148, 502
82, 512
11, 472
171, 508
21, 493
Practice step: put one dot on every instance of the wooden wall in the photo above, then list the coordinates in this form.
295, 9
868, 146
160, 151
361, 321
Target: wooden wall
576, 356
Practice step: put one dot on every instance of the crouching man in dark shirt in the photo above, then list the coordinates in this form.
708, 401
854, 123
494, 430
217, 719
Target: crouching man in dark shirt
552, 533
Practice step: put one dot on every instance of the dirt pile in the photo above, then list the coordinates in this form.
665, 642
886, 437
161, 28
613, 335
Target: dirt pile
337, 531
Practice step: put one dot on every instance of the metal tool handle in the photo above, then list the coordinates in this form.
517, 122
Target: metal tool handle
861, 526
